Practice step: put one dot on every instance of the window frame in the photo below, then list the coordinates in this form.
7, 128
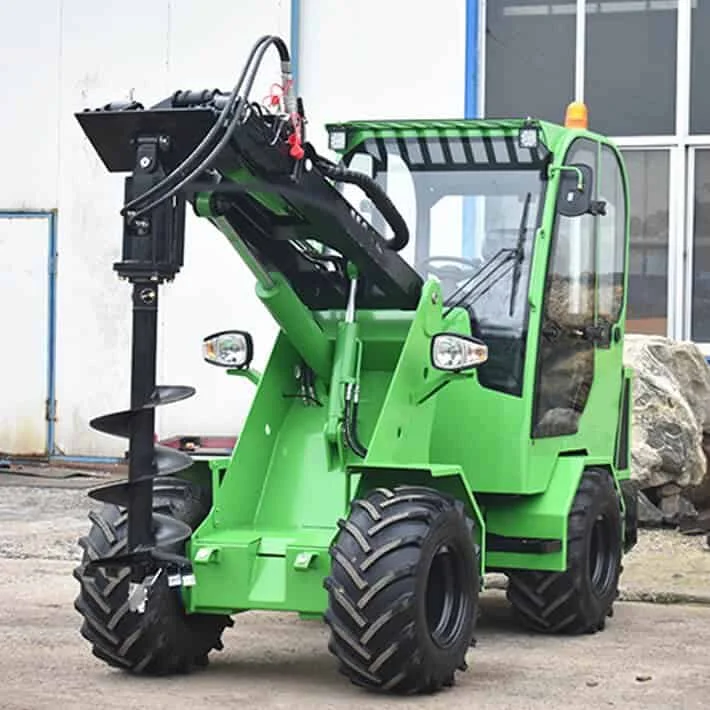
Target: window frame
621, 172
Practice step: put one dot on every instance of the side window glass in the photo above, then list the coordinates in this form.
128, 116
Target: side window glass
571, 276
610, 237
566, 361
570, 280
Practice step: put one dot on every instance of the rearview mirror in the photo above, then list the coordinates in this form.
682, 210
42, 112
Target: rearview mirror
574, 197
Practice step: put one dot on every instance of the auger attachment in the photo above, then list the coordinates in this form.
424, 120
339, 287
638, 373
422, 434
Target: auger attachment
152, 253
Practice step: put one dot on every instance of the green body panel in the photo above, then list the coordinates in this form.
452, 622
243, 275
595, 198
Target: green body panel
277, 502
541, 516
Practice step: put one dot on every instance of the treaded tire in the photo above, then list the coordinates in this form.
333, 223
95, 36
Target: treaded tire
164, 639
403, 591
580, 599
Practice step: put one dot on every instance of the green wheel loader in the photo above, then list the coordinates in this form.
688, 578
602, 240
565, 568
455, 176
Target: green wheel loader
445, 398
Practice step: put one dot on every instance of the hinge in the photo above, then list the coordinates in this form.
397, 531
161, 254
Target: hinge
50, 410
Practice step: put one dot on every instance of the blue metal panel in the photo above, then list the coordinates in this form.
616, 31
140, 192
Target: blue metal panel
86, 459
295, 40
471, 88
24, 214
470, 111
52, 334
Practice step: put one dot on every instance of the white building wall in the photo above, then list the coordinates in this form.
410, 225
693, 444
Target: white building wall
357, 60
372, 59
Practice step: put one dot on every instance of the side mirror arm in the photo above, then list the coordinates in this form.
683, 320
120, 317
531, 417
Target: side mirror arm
252, 375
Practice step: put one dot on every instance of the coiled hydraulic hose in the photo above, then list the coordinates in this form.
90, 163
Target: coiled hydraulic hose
379, 198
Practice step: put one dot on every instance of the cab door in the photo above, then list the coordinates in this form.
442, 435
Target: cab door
580, 346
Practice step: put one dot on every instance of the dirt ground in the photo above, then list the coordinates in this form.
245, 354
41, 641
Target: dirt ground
650, 656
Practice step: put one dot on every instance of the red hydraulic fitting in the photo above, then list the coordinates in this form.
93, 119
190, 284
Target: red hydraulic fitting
296, 151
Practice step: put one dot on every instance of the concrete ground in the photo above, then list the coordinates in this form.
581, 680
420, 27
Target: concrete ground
650, 656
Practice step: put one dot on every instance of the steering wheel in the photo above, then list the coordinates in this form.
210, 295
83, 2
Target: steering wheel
450, 270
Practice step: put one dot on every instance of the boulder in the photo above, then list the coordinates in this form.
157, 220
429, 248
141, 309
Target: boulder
674, 507
649, 516
700, 495
671, 411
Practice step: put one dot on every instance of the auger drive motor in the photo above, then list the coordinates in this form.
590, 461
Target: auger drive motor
445, 398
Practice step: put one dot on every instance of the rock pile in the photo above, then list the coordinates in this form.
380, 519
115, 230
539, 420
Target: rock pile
670, 439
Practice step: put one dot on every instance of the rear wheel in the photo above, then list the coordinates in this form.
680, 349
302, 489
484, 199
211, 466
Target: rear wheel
403, 590
579, 599
163, 639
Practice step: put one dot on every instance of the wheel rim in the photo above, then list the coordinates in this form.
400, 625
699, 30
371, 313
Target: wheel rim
446, 597
602, 556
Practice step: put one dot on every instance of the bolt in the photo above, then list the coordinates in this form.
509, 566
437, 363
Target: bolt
164, 142
142, 226
147, 295
145, 162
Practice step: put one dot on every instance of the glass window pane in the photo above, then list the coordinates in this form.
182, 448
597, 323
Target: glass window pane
530, 50
630, 82
648, 172
700, 330
610, 237
699, 67
570, 298
566, 361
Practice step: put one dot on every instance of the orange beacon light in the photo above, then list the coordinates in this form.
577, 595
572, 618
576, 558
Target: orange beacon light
576, 115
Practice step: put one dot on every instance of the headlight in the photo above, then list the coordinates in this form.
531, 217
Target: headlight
230, 348
337, 140
457, 352
528, 137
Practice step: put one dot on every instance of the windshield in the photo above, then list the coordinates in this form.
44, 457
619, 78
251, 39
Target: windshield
472, 206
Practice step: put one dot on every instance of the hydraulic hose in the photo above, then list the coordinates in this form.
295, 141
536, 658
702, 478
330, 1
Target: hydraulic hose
379, 198
228, 114
350, 429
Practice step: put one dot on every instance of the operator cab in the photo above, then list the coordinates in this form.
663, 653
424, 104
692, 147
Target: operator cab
472, 202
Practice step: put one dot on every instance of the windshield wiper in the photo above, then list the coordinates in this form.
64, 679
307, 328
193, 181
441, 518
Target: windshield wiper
477, 280
470, 291
519, 253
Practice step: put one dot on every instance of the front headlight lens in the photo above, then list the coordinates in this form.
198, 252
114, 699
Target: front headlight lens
457, 352
528, 137
228, 349
337, 140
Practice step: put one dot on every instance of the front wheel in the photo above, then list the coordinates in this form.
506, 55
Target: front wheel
403, 590
579, 599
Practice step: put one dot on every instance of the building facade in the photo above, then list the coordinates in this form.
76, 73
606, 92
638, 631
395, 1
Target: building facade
640, 67
638, 64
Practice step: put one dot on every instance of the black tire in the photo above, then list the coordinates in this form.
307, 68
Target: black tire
403, 591
580, 599
164, 639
